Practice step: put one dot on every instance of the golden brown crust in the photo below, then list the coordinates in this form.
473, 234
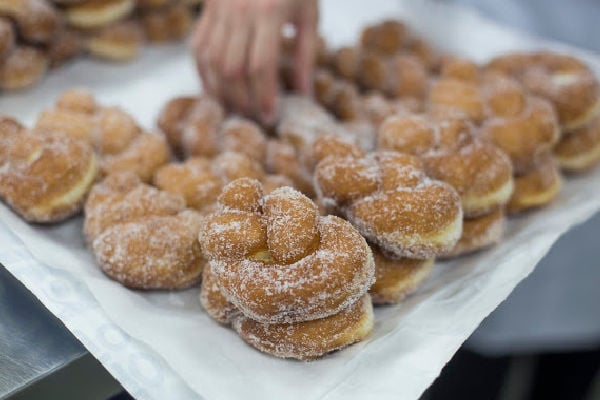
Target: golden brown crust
45, 178
311, 339
284, 263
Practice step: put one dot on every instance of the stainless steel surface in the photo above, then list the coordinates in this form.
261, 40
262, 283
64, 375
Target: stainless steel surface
33, 343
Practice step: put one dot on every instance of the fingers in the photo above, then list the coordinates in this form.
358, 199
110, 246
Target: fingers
264, 61
200, 40
304, 53
212, 60
234, 69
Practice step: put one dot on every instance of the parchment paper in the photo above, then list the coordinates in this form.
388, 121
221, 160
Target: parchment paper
163, 346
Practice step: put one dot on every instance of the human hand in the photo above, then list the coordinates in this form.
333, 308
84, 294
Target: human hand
237, 46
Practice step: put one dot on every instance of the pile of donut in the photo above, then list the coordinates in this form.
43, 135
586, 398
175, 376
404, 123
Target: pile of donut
36, 35
297, 230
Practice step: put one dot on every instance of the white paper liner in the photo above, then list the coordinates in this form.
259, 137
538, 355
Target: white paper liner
162, 345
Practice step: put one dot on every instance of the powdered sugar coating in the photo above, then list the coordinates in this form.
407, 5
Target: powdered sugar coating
310, 339
319, 276
396, 206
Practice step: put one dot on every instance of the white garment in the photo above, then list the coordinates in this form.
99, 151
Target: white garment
558, 306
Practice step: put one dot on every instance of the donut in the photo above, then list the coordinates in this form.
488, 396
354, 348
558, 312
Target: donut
397, 278
157, 252
193, 180
310, 339
37, 21
579, 150
523, 127
479, 233
119, 42
374, 72
7, 38
77, 99
45, 178
143, 156
562, 79
98, 13
480, 172
213, 301
408, 77
65, 46
199, 132
390, 200
278, 261
23, 67
114, 130
536, 188
283, 159
124, 218
461, 96
425, 52
9, 127
171, 119
172, 22
387, 37
244, 136
346, 62
122, 198
459, 68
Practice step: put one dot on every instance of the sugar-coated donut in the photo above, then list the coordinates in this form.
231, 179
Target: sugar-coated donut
144, 155
154, 253
562, 79
23, 67
98, 13
479, 233
164, 24
283, 159
480, 172
310, 339
277, 260
37, 21
455, 94
119, 42
387, 37
579, 150
244, 136
391, 201
45, 178
397, 278
526, 136
141, 236
537, 188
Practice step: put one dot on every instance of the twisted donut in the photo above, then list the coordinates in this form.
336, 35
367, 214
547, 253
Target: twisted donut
390, 200
142, 237
44, 178
480, 172
562, 79
278, 261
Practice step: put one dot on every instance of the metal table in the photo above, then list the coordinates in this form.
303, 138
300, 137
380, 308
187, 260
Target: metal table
38, 355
